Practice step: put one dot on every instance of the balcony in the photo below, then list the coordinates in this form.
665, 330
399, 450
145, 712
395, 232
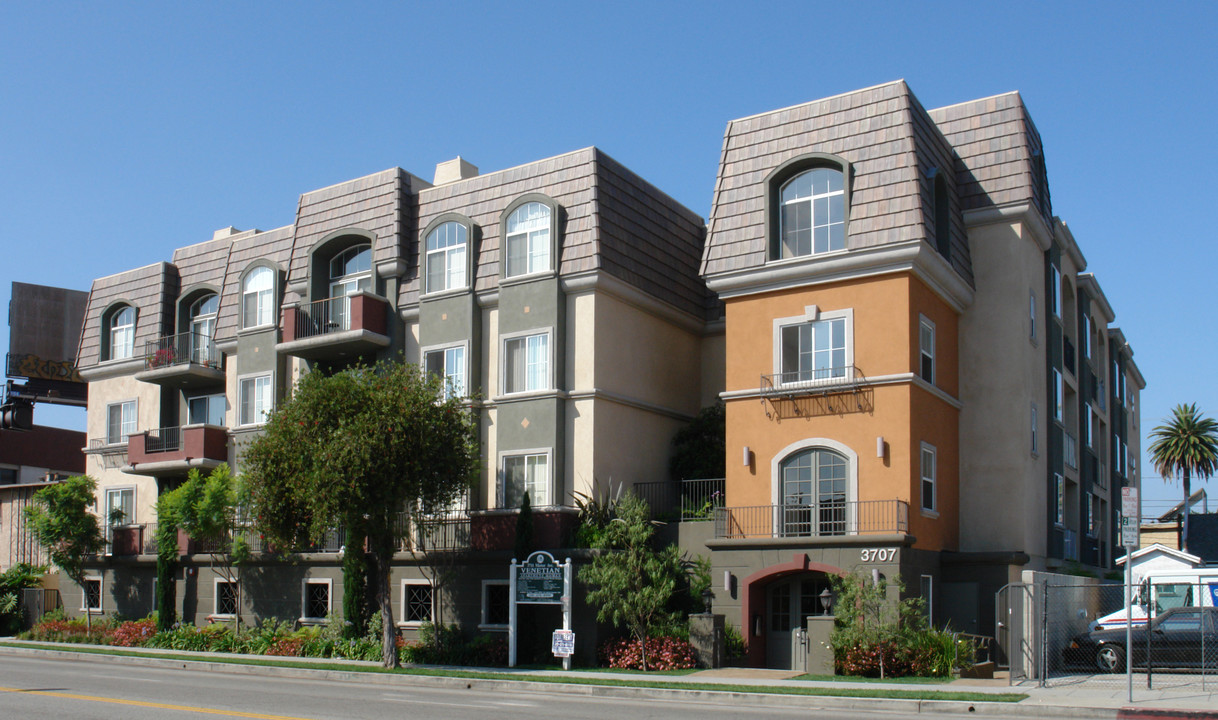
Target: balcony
185, 360
174, 451
815, 392
690, 500
127, 540
1068, 355
343, 327
833, 519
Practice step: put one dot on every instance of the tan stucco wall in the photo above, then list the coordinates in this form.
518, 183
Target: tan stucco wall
105, 469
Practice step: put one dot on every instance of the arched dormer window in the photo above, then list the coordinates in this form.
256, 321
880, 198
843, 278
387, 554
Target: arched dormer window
808, 206
814, 483
446, 257
258, 298
351, 270
120, 333
203, 328
527, 232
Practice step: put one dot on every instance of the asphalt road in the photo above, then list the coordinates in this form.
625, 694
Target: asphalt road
32, 688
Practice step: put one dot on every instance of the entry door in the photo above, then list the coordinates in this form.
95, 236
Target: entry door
790, 603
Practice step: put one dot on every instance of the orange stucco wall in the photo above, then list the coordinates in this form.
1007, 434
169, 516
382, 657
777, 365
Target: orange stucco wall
885, 331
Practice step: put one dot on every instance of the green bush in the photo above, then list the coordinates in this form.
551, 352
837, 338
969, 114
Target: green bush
453, 649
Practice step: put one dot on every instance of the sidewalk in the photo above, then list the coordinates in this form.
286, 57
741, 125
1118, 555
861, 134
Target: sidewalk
1078, 701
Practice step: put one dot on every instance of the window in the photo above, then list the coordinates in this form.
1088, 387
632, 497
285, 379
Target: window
120, 422
256, 399
526, 473
1059, 491
1032, 315
8, 476
926, 341
496, 604
350, 272
1093, 515
943, 239
449, 365
1058, 392
208, 409
203, 329
226, 599
120, 506
813, 351
417, 600
1088, 436
526, 365
813, 485
257, 298
121, 328
446, 247
812, 213
1055, 290
315, 600
1035, 427
528, 240
91, 600
929, 474
1084, 337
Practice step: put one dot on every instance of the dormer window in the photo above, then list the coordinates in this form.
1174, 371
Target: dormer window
120, 330
807, 206
528, 240
257, 298
203, 328
351, 271
446, 257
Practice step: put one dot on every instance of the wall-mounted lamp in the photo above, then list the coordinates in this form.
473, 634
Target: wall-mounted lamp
879, 447
748, 456
727, 581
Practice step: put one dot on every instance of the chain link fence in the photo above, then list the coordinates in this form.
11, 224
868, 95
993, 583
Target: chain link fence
1058, 630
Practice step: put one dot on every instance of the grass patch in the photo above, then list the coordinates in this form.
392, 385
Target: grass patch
908, 679
641, 682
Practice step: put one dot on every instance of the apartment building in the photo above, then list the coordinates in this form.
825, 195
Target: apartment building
29, 461
921, 379
562, 296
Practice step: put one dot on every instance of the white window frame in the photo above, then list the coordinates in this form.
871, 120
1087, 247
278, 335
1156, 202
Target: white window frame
932, 479
407, 582
455, 259
1059, 489
304, 598
525, 454
101, 595
242, 421
128, 425
926, 325
262, 297
534, 232
455, 384
811, 201
813, 314
215, 599
118, 490
485, 624
526, 335
1035, 431
121, 338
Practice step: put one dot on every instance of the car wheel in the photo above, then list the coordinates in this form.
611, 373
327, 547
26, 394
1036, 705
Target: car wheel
1110, 658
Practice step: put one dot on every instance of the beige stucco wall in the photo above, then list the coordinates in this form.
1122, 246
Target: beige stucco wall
106, 468
1003, 491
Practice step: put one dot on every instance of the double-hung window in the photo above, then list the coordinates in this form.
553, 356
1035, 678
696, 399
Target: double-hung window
812, 213
446, 248
814, 351
930, 472
526, 364
449, 365
122, 333
257, 298
256, 399
120, 422
526, 473
528, 240
926, 342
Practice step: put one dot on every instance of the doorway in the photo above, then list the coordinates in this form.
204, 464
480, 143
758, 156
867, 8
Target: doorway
789, 603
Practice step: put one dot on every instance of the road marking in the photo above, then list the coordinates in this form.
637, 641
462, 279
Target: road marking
128, 679
159, 706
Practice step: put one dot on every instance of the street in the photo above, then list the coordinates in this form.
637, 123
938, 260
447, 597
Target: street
94, 688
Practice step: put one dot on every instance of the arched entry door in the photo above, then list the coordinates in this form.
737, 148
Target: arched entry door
789, 603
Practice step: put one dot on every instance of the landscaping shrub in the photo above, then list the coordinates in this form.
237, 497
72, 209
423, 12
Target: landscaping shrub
453, 649
663, 653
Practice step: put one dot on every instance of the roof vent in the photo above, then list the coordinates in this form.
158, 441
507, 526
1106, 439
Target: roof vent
454, 170
224, 232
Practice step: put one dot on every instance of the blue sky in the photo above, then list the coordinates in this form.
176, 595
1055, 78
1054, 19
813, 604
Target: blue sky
129, 129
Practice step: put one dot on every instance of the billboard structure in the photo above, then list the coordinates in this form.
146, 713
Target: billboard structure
44, 335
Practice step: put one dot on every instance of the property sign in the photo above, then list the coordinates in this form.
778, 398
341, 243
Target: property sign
563, 643
539, 580
1129, 517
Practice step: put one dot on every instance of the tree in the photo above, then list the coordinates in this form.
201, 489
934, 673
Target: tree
357, 448
1187, 445
207, 508
166, 562
699, 448
60, 521
631, 583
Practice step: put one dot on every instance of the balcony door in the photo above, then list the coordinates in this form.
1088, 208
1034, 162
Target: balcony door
203, 329
813, 494
350, 272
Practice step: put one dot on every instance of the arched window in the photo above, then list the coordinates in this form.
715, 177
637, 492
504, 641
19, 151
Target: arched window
812, 213
257, 298
351, 271
814, 486
446, 259
528, 240
943, 238
120, 329
203, 328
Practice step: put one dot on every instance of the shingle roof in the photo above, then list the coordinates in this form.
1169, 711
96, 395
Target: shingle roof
151, 290
274, 246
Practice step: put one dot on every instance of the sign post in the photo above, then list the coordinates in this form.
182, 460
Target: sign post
1130, 515
542, 580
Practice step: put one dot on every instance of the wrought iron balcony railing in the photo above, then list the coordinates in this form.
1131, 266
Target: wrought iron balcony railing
825, 519
181, 349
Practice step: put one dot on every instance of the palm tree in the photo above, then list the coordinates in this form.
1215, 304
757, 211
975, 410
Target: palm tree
1188, 446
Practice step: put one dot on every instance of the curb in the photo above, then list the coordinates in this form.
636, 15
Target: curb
777, 700
1131, 713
